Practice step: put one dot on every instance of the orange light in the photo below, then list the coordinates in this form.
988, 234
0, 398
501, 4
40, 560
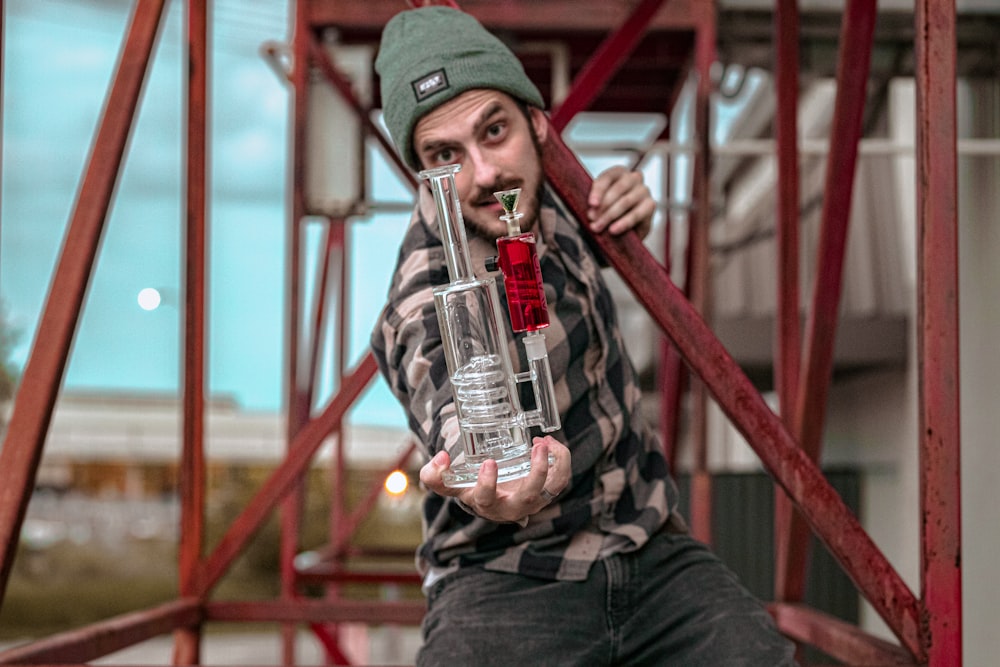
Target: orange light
396, 483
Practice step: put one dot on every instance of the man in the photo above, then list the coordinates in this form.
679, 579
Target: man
584, 561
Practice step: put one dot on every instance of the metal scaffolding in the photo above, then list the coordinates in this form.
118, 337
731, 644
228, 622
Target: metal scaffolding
926, 624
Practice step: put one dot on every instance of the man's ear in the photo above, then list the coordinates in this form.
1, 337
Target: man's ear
540, 122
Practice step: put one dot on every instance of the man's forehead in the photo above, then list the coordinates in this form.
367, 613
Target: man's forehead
471, 104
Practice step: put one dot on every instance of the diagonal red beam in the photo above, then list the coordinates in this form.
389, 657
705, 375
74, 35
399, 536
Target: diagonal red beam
349, 527
285, 477
938, 332
825, 510
97, 640
39, 387
856, 40
612, 52
333, 241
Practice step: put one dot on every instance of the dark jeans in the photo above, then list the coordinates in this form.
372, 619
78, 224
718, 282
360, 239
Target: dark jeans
671, 603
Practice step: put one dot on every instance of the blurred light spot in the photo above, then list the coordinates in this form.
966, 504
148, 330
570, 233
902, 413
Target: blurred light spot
396, 483
149, 298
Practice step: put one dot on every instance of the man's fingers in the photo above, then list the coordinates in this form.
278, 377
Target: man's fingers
624, 203
638, 218
602, 183
539, 472
557, 474
431, 472
484, 493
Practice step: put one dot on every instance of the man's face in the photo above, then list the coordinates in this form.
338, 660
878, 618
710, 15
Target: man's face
487, 133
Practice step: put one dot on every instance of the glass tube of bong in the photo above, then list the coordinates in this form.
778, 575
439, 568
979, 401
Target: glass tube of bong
469, 314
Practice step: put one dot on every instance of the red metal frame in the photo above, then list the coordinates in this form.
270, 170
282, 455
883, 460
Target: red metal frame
857, 29
187, 641
928, 628
787, 340
937, 324
699, 285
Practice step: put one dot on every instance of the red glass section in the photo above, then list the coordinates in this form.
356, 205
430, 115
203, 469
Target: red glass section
522, 279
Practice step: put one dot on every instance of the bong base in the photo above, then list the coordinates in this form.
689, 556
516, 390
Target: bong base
462, 475
465, 474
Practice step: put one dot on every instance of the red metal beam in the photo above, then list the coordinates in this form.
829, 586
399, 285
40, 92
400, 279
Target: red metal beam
328, 611
192, 464
347, 529
187, 641
938, 329
786, 63
298, 390
699, 275
39, 388
100, 639
788, 349
332, 572
599, 69
836, 638
331, 240
285, 477
854, 58
825, 510
328, 638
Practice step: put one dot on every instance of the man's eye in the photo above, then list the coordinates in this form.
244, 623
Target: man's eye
444, 156
495, 130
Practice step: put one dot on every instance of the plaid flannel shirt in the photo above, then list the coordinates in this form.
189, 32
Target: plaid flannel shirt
620, 491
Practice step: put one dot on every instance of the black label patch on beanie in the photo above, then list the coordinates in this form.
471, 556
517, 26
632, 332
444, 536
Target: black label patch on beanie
432, 83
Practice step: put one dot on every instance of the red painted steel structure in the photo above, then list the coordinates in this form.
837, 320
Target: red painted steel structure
858, 28
928, 628
787, 334
187, 641
937, 324
699, 281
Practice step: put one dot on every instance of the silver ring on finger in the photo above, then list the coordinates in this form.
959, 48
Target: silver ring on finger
547, 495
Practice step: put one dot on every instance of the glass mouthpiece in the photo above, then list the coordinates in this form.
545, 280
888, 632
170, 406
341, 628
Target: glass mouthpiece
509, 199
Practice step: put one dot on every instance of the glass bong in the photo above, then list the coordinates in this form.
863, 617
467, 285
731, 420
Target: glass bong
492, 422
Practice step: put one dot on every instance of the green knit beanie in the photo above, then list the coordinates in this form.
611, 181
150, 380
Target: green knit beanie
431, 55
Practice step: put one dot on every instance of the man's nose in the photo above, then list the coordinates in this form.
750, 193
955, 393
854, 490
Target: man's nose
484, 169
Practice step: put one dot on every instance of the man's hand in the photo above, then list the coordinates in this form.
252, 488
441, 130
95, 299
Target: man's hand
511, 501
620, 201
